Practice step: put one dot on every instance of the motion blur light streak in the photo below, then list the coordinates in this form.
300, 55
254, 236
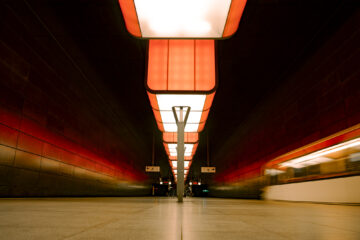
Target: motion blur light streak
318, 156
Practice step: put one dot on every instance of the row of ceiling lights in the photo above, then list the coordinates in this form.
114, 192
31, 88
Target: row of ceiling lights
181, 67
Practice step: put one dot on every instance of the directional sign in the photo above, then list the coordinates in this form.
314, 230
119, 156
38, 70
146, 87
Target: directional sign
208, 169
152, 169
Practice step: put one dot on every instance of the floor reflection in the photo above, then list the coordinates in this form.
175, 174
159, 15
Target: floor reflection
165, 218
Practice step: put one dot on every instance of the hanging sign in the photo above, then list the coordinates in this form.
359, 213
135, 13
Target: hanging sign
152, 169
208, 169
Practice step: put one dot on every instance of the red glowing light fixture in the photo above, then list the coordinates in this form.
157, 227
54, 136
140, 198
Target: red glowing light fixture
171, 137
187, 164
213, 19
181, 73
174, 158
170, 141
190, 149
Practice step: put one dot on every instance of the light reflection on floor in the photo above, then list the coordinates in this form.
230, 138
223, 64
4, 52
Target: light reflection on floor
164, 218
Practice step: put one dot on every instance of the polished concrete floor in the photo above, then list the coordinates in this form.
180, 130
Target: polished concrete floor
164, 218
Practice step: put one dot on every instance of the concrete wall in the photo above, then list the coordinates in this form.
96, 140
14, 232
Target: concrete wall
337, 190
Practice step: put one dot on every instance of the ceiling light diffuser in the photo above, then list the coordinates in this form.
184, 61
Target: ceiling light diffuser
171, 150
186, 164
182, 18
181, 73
171, 137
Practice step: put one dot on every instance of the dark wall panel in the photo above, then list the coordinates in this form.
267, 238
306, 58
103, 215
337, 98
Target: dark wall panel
319, 99
32, 166
60, 133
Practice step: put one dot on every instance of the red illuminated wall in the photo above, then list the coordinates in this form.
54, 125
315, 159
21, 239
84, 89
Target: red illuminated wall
56, 137
36, 161
320, 99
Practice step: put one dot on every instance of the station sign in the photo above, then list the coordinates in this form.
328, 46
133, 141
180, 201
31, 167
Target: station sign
152, 169
208, 169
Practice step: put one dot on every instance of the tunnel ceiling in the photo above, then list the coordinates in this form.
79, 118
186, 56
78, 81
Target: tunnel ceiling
274, 38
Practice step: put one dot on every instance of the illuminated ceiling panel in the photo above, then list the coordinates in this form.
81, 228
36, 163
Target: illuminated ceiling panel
182, 18
181, 73
186, 164
175, 158
171, 137
167, 101
171, 151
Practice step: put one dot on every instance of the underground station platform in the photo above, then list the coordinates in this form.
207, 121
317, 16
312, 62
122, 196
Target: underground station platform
180, 119
163, 218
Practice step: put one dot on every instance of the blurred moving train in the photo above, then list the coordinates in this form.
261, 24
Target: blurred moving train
325, 171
